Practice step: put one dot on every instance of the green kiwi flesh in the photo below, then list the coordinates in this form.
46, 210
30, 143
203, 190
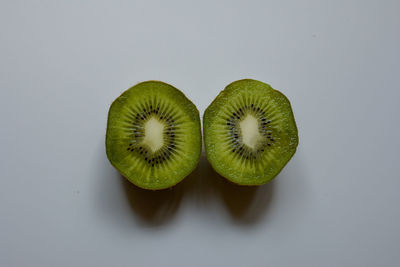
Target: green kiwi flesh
153, 135
249, 132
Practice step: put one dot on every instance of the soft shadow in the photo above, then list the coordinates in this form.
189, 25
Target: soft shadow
200, 184
121, 203
245, 204
203, 187
153, 207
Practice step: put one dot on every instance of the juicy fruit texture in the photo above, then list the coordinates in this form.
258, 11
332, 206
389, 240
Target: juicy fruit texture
249, 132
153, 135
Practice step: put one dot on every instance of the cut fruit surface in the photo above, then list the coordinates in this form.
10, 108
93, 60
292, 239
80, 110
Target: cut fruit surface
249, 132
153, 135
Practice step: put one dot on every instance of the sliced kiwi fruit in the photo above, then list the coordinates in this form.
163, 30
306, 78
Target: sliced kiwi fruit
249, 132
153, 135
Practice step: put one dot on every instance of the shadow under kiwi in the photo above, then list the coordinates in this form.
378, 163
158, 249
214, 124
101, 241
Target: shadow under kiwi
154, 208
122, 203
247, 205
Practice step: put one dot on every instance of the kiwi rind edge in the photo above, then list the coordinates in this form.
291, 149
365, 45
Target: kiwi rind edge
223, 96
198, 154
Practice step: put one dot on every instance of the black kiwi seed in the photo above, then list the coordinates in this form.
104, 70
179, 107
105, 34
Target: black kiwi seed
127, 121
233, 131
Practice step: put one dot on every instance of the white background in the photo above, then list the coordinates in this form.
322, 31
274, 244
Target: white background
336, 203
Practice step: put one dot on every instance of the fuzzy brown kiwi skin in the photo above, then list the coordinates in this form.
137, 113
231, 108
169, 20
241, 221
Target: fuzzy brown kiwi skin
125, 176
205, 123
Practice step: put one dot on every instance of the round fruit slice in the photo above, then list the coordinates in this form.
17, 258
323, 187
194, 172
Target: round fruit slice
153, 135
249, 132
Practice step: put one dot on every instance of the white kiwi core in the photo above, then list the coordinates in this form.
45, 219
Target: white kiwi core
153, 134
250, 133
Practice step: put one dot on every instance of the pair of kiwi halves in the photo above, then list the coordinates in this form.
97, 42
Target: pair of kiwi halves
154, 134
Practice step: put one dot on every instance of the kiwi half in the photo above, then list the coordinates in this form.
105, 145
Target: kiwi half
249, 132
153, 135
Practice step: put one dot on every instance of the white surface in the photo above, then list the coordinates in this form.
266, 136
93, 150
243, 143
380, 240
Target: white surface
335, 204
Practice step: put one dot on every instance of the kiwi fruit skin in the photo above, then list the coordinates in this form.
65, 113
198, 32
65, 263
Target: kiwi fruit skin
194, 139
227, 168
